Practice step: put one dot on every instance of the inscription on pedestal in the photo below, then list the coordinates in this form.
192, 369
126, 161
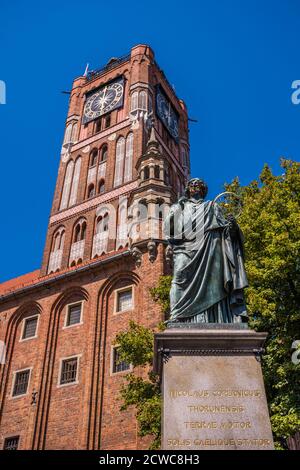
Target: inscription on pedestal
215, 403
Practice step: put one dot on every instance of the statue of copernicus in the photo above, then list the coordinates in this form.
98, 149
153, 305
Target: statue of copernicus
208, 273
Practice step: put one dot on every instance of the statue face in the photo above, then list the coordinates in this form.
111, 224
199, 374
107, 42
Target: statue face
195, 188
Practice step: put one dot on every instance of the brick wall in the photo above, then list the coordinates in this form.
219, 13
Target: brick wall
85, 415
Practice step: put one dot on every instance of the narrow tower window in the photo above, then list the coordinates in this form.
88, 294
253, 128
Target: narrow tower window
75, 182
67, 185
57, 250
128, 158
77, 247
107, 121
68, 134
91, 191
97, 127
143, 100
134, 101
120, 151
93, 157
103, 153
101, 187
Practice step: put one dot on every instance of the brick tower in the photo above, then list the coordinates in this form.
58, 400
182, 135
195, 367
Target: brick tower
124, 158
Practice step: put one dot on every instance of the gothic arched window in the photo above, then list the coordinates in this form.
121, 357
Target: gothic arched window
107, 121
134, 101
74, 132
143, 100
68, 134
56, 250
103, 153
83, 231
102, 223
93, 157
75, 182
67, 185
97, 125
122, 235
128, 158
79, 231
100, 240
77, 247
58, 239
91, 191
120, 153
71, 133
62, 240
101, 187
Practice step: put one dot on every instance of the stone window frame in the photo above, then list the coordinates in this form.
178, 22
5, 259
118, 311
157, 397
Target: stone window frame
15, 372
116, 294
23, 327
121, 372
66, 326
76, 382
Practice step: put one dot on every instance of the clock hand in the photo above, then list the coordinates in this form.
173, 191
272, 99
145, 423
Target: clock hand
103, 99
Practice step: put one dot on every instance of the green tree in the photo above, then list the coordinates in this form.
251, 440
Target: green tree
136, 348
270, 221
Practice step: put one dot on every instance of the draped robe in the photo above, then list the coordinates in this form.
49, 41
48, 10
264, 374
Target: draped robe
209, 274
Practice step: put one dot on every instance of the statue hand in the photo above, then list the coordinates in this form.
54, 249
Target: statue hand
231, 219
232, 224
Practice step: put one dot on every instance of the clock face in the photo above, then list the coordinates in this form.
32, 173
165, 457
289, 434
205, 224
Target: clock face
104, 100
166, 113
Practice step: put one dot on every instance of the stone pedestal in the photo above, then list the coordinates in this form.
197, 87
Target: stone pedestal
213, 390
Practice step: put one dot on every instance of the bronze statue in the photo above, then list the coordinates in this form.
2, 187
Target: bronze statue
208, 274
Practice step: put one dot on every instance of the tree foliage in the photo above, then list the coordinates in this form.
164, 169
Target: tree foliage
136, 348
161, 293
270, 221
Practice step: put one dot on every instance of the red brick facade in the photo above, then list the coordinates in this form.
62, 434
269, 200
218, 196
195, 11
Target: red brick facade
84, 265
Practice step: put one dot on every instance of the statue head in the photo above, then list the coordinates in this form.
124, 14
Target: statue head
196, 186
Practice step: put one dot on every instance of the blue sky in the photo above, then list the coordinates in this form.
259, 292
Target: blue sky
232, 61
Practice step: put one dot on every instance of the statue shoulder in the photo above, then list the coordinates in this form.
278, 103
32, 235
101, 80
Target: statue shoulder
182, 200
179, 204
